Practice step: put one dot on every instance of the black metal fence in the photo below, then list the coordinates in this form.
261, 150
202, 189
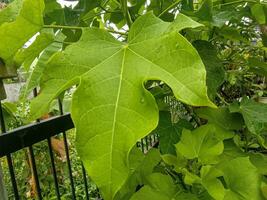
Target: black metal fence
43, 130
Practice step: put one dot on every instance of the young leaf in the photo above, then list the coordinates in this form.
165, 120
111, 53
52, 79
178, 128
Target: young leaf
15, 34
204, 143
111, 108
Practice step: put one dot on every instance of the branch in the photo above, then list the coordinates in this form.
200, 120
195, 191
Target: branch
80, 28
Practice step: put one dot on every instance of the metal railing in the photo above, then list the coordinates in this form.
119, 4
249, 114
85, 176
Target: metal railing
26, 136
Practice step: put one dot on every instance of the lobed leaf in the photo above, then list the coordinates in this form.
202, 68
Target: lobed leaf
111, 108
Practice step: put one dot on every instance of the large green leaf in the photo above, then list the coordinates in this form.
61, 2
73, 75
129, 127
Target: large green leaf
254, 113
222, 117
204, 143
214, 66
13, 35
170, 132
111, 108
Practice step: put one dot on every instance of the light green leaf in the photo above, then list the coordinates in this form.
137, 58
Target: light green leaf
177, 161
15, 34
214, 66
210, 181
242, 179
161, 187
204, 143
169, 132
111, 98
27, 55
35, 77
254, 114
182, 22
221, 117
10, 13
231, 151
257, 11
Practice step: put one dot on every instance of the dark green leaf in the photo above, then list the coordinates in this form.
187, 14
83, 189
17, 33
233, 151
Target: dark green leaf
213, 65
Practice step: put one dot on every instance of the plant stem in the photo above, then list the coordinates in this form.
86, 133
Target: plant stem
80, 28
126, 13
63, 27
169, 8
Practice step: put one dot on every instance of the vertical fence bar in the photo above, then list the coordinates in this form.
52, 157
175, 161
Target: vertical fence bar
33, 163
146, 140
67, 154
9, 158
142, 145
51, 155
85, 182
35, 173
150, 141
53, 168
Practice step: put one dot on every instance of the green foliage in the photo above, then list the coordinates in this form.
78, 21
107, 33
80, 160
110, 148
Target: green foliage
142, 67
29, 19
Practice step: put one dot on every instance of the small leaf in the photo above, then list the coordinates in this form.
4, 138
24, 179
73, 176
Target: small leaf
170, 132
204, 143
